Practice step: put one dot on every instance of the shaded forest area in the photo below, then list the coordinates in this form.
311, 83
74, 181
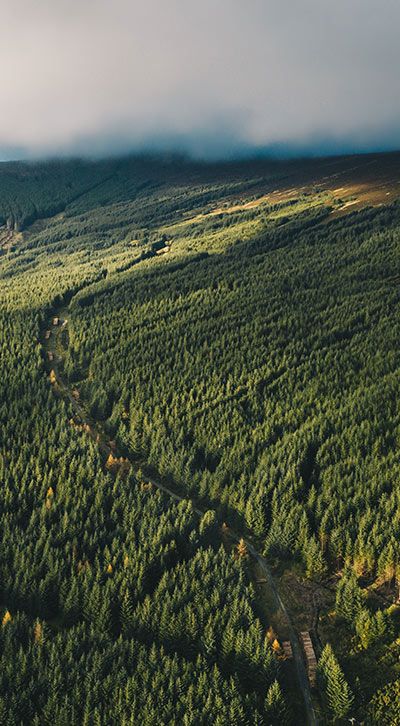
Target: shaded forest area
237, 334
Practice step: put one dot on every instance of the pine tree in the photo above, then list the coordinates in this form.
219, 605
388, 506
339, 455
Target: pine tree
387, 565
208, 523
275, 706
340, 697
127, 612
333, 685
349, 597
372, 627
315, 563
71, 605
209, 644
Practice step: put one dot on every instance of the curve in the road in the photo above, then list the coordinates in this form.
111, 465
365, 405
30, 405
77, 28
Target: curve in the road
99, 436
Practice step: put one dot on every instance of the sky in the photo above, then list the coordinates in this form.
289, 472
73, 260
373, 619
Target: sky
211, 78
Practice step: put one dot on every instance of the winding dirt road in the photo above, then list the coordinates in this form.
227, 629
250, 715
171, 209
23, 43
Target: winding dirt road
95, 430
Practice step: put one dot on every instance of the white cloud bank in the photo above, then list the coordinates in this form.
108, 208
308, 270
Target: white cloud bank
211, 76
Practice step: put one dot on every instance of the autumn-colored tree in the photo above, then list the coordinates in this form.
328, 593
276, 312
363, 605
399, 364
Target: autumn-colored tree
111, 461
49, 498
38, 634
241, 548
6, 618
276, 646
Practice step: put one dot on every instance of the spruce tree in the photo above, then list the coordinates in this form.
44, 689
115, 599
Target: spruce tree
315, 563
333, 685
339, 695
349, 597
275, 706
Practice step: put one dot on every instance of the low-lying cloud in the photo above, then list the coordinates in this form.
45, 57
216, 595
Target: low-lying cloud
213, 78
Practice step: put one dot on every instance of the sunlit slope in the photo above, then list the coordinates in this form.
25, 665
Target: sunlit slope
30, 191
235, 328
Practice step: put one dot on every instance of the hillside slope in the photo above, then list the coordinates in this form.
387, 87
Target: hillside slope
233, 328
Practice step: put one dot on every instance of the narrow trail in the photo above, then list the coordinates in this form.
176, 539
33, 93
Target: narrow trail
96, 431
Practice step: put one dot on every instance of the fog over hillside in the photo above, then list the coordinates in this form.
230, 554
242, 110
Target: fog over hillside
211, 79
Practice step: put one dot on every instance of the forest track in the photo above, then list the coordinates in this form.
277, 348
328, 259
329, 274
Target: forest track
96, 432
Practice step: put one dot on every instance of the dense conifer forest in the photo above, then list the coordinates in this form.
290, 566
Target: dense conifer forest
232, 331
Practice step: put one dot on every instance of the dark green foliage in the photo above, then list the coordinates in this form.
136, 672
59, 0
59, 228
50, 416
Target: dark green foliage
31, 191
373, 627
333, 686
254, 364
119, 599
275, 706
254, 378
384, 708
349, 597
80, 672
